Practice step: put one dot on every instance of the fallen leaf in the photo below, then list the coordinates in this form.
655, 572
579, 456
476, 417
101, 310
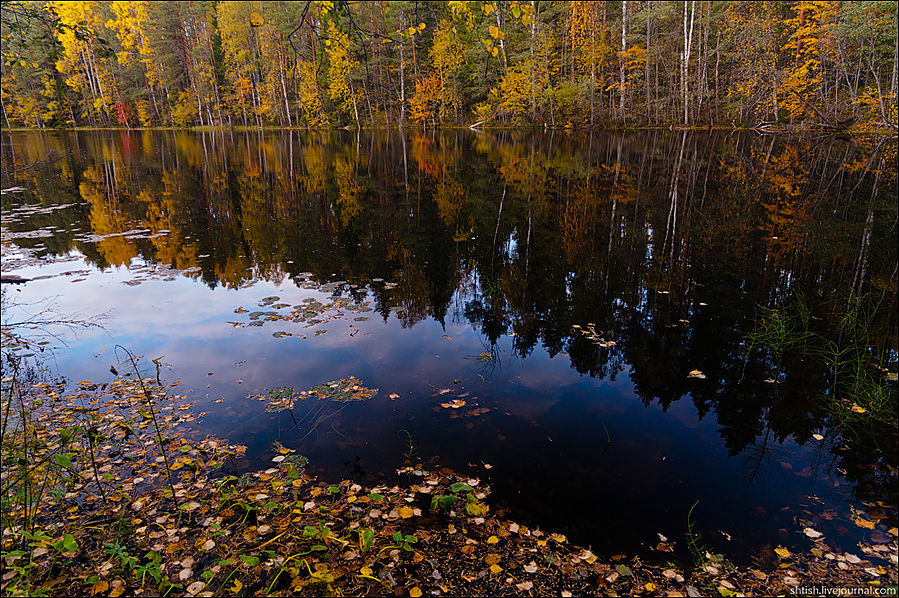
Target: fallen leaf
415, 592
623, 570
813, 534
782, 552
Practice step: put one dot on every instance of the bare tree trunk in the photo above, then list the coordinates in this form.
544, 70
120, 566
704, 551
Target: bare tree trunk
592, 63
502, 43
621, 60
402, 87
646, 69
283, 86
532, 65
355, 108
685, 73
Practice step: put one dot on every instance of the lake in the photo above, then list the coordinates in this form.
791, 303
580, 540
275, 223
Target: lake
564, 315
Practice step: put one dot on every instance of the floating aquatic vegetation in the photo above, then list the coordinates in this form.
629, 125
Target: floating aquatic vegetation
310, 312
591, 334
344, 390
280, 399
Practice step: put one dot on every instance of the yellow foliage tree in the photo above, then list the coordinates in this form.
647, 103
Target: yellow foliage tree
809, 43
341, 65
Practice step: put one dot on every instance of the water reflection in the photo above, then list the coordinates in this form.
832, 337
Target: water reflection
635, 258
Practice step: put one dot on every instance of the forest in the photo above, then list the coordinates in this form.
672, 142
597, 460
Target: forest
777, 65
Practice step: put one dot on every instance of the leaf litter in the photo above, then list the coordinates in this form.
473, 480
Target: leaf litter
281, 531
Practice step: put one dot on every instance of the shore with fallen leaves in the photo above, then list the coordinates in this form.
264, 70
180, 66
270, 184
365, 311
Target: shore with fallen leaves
114, 512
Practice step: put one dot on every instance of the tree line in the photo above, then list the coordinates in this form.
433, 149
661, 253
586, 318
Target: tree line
408, 63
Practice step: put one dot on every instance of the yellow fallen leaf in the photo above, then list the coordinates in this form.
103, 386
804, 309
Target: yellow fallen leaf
492, 540
99, 587
858, 409
365, 570
406, 512
495, 568
116, 592
415, 592
782, 552
650, 587
237, 587
864, 523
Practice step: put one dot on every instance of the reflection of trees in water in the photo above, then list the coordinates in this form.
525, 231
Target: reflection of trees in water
518, 234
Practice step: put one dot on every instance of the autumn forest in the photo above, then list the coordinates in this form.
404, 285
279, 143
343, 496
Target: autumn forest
801, 64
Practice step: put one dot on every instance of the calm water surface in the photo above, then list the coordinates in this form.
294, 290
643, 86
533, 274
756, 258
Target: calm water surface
563, 287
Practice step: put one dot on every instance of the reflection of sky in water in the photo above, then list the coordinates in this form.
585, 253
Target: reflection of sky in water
568, 451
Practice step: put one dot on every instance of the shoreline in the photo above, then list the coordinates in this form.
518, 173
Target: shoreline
786, 130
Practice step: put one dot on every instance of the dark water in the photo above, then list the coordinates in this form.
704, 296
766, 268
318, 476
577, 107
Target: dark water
563, 286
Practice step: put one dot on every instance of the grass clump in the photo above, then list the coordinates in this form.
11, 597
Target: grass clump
847, 344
